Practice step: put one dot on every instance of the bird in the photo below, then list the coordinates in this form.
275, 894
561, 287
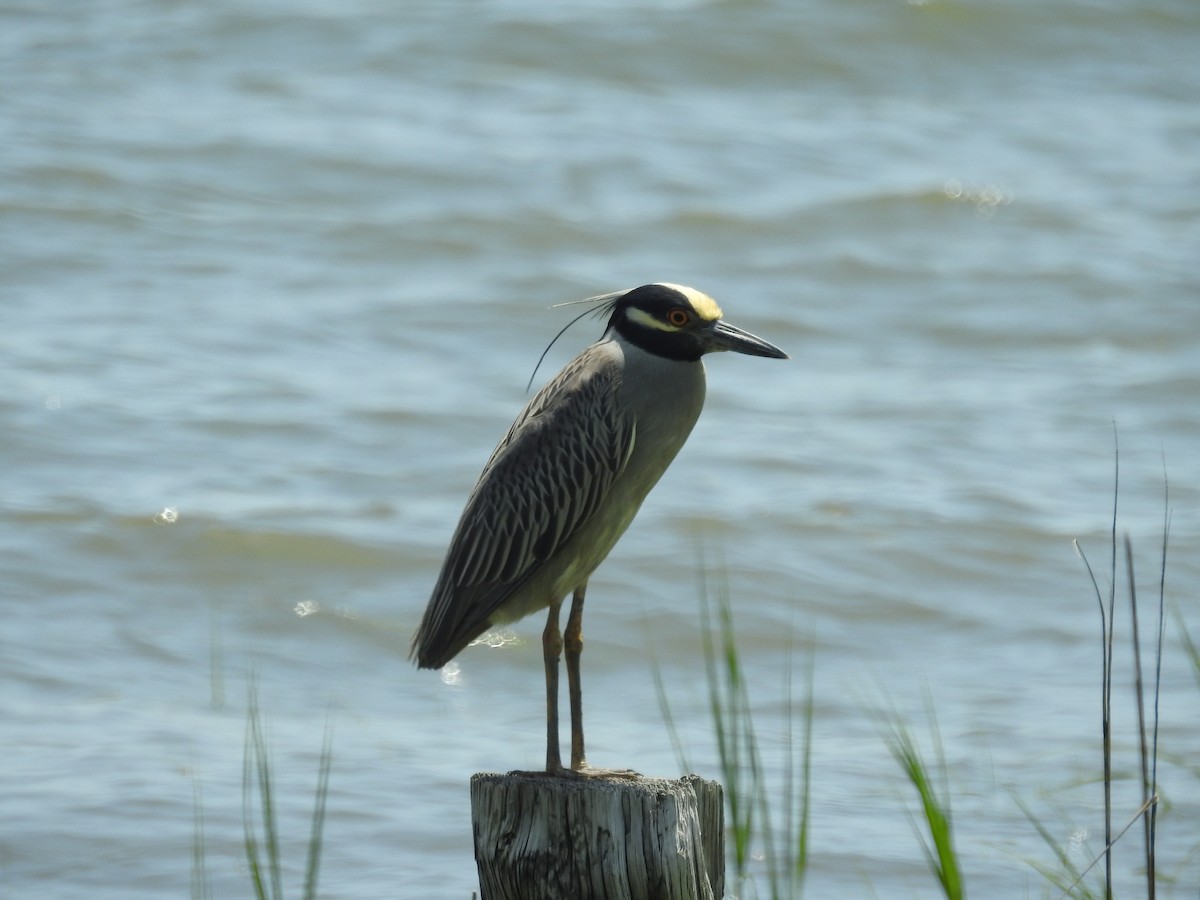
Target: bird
569, 477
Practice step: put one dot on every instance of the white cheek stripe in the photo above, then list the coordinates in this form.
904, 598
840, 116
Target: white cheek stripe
648, 321
705, 306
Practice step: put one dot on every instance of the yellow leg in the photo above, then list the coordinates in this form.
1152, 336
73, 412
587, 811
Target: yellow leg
552, 644
573, 645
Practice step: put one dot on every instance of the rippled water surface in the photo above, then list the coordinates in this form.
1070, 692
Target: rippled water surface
274, 278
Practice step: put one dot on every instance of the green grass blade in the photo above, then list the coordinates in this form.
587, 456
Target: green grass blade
939, 846
1189, 645
722, 711
799, 840
1068, 878
216, 659
201, 887
753, 814
664, 705
256, 766
249, 829
318, 820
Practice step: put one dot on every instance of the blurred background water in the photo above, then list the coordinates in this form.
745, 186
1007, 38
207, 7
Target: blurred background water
274, 277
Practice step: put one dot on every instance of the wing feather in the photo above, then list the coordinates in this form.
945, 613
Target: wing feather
545, 479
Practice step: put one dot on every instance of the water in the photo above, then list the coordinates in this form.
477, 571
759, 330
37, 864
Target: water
274, 277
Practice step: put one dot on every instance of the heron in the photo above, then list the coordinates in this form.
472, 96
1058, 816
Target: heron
567, 479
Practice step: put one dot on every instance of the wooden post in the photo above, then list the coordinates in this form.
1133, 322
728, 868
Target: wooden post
539, 837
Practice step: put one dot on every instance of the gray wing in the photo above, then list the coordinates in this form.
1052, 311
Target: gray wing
546, 478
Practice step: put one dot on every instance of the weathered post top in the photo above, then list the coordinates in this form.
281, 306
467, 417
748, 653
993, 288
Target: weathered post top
539, 837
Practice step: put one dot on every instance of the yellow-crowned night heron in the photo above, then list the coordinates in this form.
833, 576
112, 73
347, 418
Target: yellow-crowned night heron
570, 475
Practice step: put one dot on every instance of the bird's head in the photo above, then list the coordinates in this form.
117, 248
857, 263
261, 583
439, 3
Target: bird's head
679, 322
670, 320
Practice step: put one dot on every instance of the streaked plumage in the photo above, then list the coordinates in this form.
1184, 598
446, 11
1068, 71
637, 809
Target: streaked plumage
572, 471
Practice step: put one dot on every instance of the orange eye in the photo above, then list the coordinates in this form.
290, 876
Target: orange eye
678, 317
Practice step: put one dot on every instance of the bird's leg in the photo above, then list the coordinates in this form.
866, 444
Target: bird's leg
552, 644
573, 643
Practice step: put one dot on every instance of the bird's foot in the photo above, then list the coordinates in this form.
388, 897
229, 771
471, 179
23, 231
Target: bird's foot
586, 771
582, 772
